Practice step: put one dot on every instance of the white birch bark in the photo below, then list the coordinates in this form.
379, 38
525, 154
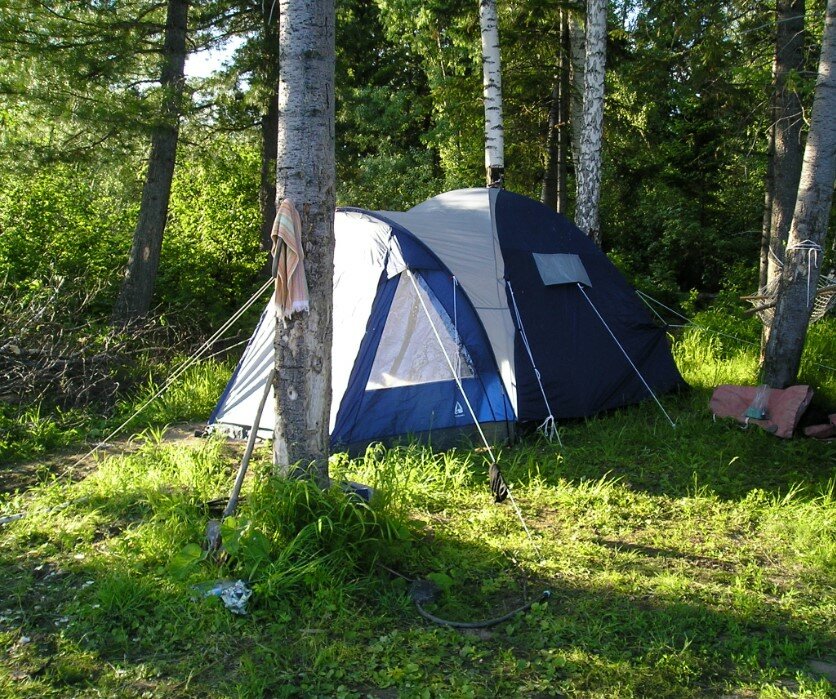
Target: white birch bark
305, 174
492, 93
589, 171
803, 258
577, 52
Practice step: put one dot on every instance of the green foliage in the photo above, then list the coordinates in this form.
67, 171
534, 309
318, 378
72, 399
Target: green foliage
383, 111
85, 74
63, 222
444, 37
32, 432
72, 223
817, 365
191, 398
211, 258
683, 196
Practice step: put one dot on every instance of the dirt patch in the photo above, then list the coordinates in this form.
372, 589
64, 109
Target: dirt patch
77, 463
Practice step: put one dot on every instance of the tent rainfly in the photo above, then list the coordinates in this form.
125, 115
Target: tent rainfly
476, 305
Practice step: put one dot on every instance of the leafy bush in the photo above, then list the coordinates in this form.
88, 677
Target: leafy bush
68, 223
211, 256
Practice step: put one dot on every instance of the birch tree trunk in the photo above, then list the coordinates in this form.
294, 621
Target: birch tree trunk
809, 224
785, 157
305, 174
492, 93
577, 52
137, 291
589, 168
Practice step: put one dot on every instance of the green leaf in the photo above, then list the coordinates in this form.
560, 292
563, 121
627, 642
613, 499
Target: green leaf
231, 531
443, 580
185, 560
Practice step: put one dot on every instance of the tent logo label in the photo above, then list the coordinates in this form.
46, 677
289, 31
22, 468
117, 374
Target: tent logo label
458, 411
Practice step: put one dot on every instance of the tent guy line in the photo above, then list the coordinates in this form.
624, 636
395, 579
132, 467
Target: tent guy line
510, 495
626, 356
646, 298
196, 356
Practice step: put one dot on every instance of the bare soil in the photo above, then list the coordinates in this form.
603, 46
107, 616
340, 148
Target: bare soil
76, 463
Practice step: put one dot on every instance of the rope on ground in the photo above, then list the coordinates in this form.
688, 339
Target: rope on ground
486, 623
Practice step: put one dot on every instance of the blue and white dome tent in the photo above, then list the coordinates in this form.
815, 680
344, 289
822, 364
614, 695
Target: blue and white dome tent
478, 305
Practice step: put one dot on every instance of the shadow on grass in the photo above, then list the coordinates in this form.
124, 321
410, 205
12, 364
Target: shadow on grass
121, 625
638, 446
92, 590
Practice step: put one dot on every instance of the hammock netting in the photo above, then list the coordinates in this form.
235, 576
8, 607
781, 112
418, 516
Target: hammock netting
823, 302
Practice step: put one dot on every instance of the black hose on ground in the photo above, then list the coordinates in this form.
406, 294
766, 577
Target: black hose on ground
423, 591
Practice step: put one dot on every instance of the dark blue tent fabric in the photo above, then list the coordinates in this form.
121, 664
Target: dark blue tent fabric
369, 415
582, 369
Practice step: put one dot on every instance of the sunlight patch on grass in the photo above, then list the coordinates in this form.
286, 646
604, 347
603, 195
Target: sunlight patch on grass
695, 561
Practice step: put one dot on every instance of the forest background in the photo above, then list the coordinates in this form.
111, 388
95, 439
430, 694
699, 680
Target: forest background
685, 156
691, 562
686, 137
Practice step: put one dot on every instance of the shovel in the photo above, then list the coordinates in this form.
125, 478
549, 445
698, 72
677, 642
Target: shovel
213, 528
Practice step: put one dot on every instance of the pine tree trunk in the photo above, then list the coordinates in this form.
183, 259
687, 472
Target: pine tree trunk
766, 221
564, 153
305, 174
267, 186
785, 132
137, 290
809, 224
492, 93
589, 168
553, 191
269, 124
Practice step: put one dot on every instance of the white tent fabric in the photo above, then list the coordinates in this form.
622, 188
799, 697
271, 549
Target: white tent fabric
459, 227
454, 226
363, 247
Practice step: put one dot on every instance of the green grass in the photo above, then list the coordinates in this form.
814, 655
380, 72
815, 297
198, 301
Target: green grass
30, 432
698, 561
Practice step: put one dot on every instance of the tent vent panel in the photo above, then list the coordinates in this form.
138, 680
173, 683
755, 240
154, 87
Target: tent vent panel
561, 269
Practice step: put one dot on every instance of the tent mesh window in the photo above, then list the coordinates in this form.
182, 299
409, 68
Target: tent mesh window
409, 352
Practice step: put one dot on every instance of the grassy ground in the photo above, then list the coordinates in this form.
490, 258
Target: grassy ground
689, 562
